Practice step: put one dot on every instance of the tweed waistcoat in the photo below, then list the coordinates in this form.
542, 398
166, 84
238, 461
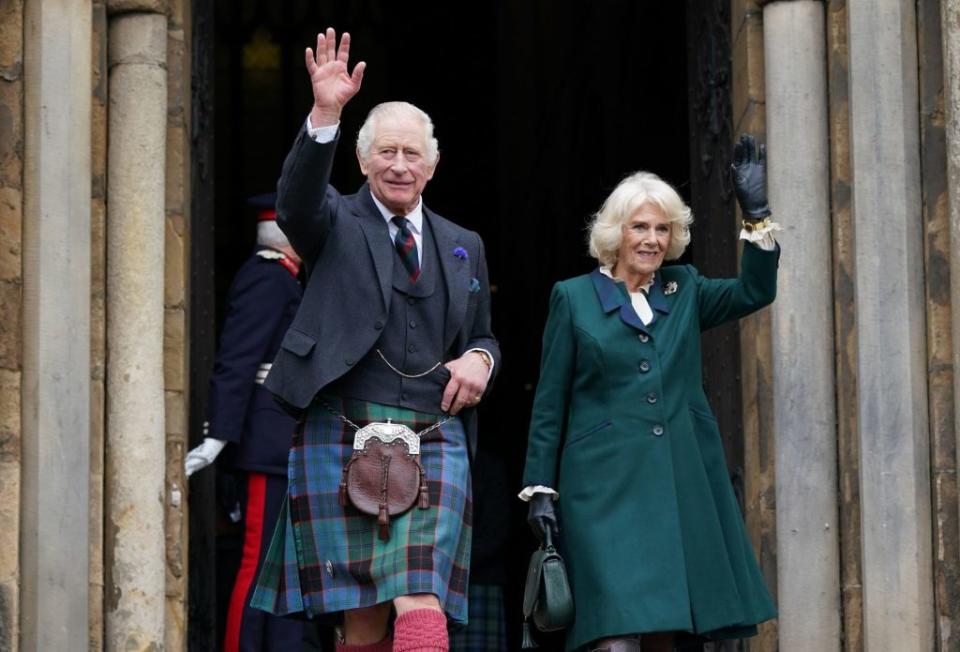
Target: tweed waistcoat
411, 340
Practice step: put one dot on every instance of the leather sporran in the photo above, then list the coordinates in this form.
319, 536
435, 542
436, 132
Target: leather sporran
384, 476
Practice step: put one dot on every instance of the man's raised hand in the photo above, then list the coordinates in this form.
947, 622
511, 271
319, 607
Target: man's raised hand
333, 85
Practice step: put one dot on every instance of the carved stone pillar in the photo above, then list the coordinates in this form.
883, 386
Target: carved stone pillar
802, 327
56, 326
889, 298
135, 451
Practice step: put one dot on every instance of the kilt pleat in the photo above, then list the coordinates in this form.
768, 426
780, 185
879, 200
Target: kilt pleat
326, 558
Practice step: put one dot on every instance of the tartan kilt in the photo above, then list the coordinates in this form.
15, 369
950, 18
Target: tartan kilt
326, 558
487, 631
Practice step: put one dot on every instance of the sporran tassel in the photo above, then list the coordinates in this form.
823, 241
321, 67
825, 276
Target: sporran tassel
424, 491
528, 643
342, 494
383, 520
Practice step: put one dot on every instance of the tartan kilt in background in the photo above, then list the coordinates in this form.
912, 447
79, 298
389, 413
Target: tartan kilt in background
326, 558
487, 630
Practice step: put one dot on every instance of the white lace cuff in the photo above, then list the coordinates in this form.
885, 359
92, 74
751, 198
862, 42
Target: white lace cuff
761, 234
528, 492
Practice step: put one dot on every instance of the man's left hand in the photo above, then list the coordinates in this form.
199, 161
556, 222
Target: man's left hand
468, 381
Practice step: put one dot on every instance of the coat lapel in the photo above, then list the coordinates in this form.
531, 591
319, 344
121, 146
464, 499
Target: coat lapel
377, 234
613, 296
456, 272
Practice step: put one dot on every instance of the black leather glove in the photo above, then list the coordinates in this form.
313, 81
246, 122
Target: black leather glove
750, 178
542, 517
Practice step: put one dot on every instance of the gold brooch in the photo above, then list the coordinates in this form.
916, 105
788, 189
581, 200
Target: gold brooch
670, 287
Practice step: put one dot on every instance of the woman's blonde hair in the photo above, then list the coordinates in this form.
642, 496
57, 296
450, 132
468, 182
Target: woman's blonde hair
626, 199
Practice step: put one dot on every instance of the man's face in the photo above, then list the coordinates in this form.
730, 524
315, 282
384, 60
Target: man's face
397, 167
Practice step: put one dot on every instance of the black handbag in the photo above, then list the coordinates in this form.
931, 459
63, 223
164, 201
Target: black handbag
547, 599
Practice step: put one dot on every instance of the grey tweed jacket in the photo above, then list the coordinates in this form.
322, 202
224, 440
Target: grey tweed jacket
345, 244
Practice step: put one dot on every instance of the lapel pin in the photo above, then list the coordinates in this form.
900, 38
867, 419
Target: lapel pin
670, 287
474, 286
460, 253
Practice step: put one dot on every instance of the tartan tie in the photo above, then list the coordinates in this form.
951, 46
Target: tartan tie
407, 248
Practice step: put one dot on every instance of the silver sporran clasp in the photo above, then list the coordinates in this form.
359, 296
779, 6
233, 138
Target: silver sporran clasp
387, 433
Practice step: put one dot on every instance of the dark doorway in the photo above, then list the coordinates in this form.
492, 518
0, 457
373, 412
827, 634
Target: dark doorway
540, 109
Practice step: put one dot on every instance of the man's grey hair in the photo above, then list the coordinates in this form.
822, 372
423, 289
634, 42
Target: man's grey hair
396, 110
270, 235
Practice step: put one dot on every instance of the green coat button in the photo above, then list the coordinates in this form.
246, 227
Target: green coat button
652, 398
644, 366
658, 430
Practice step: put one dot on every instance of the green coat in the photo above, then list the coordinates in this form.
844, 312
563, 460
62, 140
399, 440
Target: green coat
651, 530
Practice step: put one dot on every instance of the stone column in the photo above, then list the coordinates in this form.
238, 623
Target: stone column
802, 327
950, 29
135, 448
56, 326
889, 292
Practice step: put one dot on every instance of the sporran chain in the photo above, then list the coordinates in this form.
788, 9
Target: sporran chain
406, 375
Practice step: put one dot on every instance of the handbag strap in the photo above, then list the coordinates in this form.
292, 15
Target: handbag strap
531, 589
532, 586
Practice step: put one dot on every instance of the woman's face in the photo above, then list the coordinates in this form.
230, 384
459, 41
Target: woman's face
646, 237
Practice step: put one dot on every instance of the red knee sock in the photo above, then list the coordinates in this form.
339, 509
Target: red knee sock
386, 645
421, 630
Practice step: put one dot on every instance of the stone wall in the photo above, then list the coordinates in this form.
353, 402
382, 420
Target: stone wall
940, 370
98, 312
845, 331
756, 349
174, 318
896, 433
11, 217
176, 347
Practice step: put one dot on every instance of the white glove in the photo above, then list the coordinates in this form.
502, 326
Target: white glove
203, 455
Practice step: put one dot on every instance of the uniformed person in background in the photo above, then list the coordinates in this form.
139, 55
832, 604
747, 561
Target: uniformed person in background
261, 303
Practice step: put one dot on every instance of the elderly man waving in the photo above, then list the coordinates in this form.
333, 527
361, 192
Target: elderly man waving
386, 361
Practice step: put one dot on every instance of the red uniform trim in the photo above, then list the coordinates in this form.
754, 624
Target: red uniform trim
247, 575
291, 266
